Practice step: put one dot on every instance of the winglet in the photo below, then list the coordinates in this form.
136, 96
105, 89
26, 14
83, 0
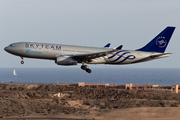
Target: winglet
119, 48
108, 45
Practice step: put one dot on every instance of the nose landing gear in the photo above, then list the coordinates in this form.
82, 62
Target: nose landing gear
22, 62
85, 67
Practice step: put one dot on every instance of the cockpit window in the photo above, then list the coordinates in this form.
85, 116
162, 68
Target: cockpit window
11, 45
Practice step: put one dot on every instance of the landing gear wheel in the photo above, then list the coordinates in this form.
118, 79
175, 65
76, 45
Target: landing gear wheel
22, 62
88, 70
84, 67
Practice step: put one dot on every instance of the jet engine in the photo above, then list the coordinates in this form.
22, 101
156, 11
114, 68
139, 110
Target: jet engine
65, 60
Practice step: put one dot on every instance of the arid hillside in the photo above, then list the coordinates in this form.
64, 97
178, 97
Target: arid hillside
32, 100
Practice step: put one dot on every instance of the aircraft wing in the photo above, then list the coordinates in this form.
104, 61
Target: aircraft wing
89, 56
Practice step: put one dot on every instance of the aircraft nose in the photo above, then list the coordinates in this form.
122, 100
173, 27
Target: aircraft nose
5, 48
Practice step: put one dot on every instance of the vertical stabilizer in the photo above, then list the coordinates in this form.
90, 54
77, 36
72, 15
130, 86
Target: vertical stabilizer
160, 42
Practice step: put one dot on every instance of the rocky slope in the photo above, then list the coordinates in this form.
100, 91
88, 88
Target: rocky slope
28, 100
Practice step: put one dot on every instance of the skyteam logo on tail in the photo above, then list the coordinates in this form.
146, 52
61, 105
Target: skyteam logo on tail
161, 42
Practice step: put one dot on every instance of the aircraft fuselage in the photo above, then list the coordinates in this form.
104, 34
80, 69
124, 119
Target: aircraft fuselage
52, 51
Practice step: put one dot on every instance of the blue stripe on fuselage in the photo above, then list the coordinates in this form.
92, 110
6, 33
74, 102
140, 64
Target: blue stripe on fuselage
128, 57
131, 57
120, 56
116, 54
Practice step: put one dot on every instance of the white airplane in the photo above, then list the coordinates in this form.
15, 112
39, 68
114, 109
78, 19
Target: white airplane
71, 55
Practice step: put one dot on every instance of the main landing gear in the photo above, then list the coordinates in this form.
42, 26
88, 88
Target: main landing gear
85, 67
22, 62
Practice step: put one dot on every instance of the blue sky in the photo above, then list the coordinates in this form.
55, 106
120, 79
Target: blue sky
89, 23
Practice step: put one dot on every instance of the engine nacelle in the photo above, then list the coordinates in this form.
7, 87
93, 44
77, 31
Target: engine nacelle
65, 60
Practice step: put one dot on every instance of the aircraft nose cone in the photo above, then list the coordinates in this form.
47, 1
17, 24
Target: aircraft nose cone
5, 48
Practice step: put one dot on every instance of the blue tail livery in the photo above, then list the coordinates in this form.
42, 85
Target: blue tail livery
160, 42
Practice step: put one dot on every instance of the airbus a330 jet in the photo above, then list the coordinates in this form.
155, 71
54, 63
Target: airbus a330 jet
72, 55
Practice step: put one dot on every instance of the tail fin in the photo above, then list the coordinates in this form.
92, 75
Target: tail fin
160, 42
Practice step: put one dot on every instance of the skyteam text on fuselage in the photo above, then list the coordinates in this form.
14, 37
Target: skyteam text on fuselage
72, 55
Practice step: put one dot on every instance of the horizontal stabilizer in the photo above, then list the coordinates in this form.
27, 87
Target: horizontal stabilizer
159, 55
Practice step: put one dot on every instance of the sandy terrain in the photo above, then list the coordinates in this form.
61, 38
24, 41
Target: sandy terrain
51, 102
